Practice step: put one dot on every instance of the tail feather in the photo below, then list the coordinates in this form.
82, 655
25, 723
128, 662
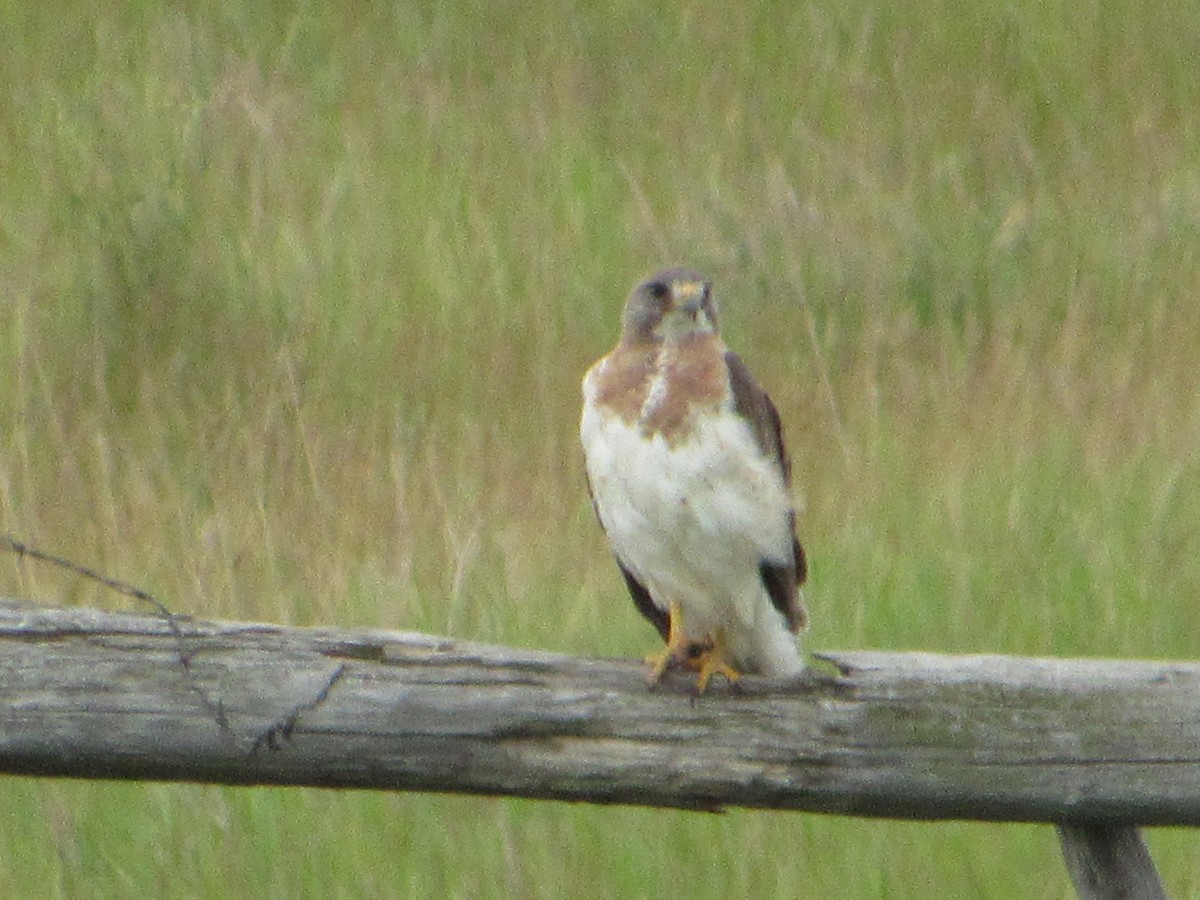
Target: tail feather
775, 649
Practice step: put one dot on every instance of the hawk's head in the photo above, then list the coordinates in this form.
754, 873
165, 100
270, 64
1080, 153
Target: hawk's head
668, 305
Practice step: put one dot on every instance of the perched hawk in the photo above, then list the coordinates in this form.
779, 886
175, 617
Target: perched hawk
690, 480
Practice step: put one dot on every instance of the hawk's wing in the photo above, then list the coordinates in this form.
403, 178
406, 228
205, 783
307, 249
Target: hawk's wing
641, 597
781, 578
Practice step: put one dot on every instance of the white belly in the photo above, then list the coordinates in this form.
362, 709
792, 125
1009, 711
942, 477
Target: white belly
693, 522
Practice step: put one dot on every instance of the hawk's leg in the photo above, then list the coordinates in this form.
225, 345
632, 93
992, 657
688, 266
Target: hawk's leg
712, 658
677, 648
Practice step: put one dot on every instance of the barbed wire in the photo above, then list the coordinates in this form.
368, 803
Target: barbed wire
22, 549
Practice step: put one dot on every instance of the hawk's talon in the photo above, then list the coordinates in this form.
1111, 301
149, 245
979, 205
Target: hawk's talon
712, 659
707, 657
658, 663
678, 648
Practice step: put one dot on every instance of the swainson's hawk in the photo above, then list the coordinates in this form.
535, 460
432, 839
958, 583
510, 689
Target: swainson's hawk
690, 480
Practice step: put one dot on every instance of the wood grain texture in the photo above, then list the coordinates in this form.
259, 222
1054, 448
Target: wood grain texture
91, 694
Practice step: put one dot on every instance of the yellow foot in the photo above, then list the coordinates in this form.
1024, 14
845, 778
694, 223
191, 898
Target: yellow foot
677, 649
709, 659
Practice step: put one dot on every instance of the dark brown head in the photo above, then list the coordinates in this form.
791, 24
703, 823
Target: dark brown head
669, 305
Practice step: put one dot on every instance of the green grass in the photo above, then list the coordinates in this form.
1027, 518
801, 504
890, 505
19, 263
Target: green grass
295, 301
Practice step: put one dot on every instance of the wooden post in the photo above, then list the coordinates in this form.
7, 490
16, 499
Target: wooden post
1109, 863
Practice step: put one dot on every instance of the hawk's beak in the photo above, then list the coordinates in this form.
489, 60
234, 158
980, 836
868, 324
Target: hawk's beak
689, 296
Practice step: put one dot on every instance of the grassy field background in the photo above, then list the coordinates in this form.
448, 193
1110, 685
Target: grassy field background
294, 303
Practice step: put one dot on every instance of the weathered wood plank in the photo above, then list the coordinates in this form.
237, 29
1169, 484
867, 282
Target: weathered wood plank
85, 693
1107, 863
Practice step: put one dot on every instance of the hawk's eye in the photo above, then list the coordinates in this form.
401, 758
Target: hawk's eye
659, 291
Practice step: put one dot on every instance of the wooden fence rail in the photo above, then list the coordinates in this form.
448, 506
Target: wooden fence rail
1096, 747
